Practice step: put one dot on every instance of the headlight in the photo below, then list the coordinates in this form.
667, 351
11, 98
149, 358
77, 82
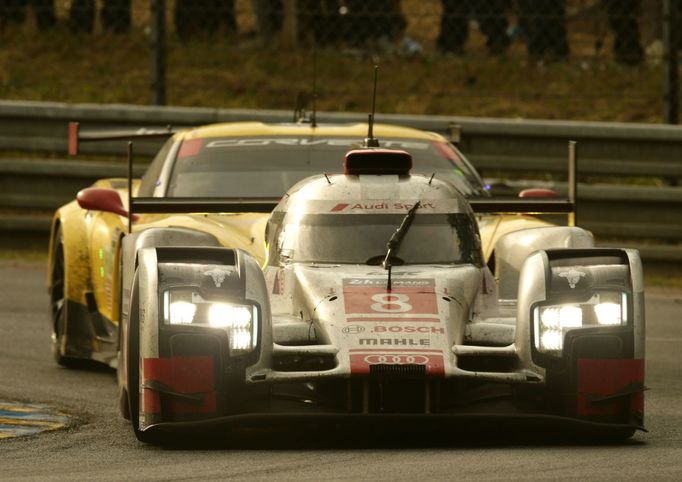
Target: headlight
187, 307
551, 322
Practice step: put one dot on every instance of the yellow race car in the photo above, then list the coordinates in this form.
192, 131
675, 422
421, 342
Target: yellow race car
253, 231
234, 160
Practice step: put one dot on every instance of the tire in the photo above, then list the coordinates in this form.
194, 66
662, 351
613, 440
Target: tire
58, 303
133, 363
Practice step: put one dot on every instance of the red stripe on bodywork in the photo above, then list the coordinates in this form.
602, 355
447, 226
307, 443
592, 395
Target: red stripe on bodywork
446, 151
190, 147
339, 207
192, 375
604, 378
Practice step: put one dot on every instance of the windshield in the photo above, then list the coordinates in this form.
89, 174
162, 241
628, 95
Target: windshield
268, 167
361, 239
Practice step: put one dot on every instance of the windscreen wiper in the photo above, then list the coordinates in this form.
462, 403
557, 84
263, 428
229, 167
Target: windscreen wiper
394, 243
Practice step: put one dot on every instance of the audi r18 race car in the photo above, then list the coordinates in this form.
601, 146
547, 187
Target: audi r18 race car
293, 271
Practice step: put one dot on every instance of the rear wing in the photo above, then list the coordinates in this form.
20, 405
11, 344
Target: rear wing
76, 136
147, 205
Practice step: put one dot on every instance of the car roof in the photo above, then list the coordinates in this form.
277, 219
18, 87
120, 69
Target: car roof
314, 194
356, 130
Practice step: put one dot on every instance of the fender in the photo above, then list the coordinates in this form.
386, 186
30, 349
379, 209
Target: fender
71, 219
131, 246
195, 367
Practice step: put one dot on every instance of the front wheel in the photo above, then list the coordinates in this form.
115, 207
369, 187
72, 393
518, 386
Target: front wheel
133, 363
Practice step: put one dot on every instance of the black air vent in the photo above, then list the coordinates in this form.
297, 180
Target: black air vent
407, 371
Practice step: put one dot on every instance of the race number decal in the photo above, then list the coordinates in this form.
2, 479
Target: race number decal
409, 300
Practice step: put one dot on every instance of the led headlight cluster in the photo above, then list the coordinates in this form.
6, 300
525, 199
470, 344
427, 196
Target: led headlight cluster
551, 322
187, 307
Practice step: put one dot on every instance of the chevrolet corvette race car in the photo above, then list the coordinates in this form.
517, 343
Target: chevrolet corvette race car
269, 271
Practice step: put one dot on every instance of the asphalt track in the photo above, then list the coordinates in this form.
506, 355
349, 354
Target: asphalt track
100, 445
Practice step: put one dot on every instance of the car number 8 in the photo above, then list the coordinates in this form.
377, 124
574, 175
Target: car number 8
391, 303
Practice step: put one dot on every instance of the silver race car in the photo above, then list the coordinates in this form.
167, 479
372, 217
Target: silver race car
375, 306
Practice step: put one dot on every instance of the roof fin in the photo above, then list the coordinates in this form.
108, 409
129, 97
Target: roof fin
313, 119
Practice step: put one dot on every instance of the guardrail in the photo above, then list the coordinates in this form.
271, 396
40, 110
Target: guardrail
651, 213
498, 144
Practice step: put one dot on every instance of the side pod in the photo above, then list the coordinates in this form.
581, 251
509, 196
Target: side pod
513, 248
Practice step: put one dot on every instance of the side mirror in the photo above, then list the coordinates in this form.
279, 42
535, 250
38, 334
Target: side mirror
102, 199
537, 192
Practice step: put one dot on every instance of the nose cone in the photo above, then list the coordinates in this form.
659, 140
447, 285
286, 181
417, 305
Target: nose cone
416, 322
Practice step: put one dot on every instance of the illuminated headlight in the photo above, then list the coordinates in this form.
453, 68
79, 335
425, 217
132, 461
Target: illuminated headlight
553, 321
187, 307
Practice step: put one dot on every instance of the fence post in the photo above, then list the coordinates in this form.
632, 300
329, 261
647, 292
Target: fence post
290, 27
158, 37
670, 73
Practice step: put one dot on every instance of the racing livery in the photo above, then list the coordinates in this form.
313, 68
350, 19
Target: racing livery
362, 294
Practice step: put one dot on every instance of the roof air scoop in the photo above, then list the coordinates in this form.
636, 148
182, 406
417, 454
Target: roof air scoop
377, 161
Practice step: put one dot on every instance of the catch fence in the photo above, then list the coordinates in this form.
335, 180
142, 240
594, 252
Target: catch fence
572, 59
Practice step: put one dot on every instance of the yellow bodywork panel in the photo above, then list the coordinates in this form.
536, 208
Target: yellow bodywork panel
493, 227
92, 242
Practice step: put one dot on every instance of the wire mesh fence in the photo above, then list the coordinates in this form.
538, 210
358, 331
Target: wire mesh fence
593, 59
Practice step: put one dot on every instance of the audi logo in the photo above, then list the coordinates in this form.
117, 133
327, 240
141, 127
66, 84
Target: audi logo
396, 359
353, 329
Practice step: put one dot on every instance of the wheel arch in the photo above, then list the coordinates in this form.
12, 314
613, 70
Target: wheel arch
70, 221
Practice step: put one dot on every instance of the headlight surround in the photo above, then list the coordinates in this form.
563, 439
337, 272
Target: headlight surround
552, 321
186, 307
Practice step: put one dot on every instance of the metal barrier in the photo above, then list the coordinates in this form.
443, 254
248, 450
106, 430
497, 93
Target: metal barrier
492, 144
650, 213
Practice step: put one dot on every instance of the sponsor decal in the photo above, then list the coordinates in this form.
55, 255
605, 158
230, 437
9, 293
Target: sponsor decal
353, 329
306, 141
410, 300
396, 359
382, 282
218, 275
395, 341
380, 206
573, 277
362, 359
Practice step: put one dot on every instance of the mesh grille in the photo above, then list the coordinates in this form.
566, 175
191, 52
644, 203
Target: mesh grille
407, 371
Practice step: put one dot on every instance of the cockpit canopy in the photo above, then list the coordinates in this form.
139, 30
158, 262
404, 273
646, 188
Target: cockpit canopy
356, 232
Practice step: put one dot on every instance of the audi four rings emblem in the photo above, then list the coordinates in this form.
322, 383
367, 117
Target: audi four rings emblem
396, 359
353, 329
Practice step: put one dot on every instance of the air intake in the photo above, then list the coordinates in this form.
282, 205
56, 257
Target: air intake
402, 372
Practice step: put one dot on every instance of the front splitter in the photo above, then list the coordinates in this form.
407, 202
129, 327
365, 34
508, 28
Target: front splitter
461, 426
